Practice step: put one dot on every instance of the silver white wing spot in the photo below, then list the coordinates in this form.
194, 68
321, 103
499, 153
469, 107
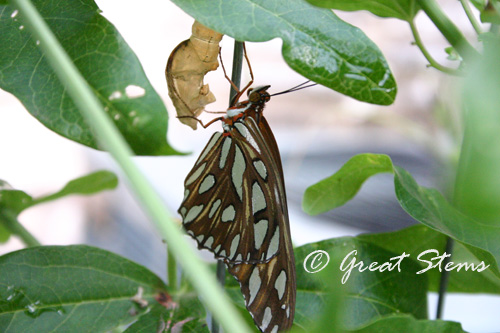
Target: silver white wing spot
209, 242
206, 184
258, 198
183, 211
237, 171
214, 208
228, 214
260, 232
234, 246
280, 284
254, 284
244, 132
226, 146
193, 213
274, 244
261, 168
267, 318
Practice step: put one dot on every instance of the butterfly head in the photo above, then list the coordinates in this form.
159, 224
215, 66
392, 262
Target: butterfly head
259, 95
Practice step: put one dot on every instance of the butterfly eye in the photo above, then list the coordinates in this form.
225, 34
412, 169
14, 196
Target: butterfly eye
255, 96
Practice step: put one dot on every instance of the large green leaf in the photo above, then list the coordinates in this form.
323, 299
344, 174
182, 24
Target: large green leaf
431, 208
419, 238
370, 295
71, 289
408, 324
316, 43
104, 59
401, 9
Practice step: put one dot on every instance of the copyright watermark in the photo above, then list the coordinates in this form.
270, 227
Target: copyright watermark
316, 261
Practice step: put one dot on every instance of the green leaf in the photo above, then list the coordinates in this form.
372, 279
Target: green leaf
4, 234
316, 43
431, 208
370, 295
341, 187
491, 13
86, 185
14, 200
71, 289
479, 4
419, 238
401, 9
408, 324
105, 60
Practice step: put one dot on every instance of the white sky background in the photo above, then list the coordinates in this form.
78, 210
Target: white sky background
38, 161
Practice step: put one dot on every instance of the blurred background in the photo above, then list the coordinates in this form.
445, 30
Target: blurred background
317, 131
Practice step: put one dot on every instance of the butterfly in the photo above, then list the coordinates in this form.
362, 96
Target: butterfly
235, 206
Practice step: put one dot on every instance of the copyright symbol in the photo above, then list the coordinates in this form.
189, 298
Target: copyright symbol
313, 262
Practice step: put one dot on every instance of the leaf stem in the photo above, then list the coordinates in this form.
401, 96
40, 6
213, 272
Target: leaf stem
428, 56
471, 17
444, 278
9, 220
452, 34
110, 139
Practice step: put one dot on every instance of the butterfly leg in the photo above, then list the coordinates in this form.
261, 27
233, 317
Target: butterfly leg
201, 123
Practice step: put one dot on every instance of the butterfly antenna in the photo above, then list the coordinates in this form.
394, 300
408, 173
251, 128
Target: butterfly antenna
303, 85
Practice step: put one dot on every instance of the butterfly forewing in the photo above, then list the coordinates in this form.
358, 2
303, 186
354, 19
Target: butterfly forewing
230, 208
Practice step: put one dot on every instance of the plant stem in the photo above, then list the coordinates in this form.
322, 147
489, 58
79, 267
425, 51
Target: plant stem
427, 55
236, 78
449, 30
471, 17
236, 69
171, 270
10, 221
443, 282
110, 139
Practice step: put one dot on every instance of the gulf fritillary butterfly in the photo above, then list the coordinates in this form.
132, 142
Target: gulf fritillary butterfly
235, 206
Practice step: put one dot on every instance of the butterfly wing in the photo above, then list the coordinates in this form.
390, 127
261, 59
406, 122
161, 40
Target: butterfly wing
235, 206
229, 205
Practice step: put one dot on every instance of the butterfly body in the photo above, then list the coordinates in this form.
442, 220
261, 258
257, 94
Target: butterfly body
235, 206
